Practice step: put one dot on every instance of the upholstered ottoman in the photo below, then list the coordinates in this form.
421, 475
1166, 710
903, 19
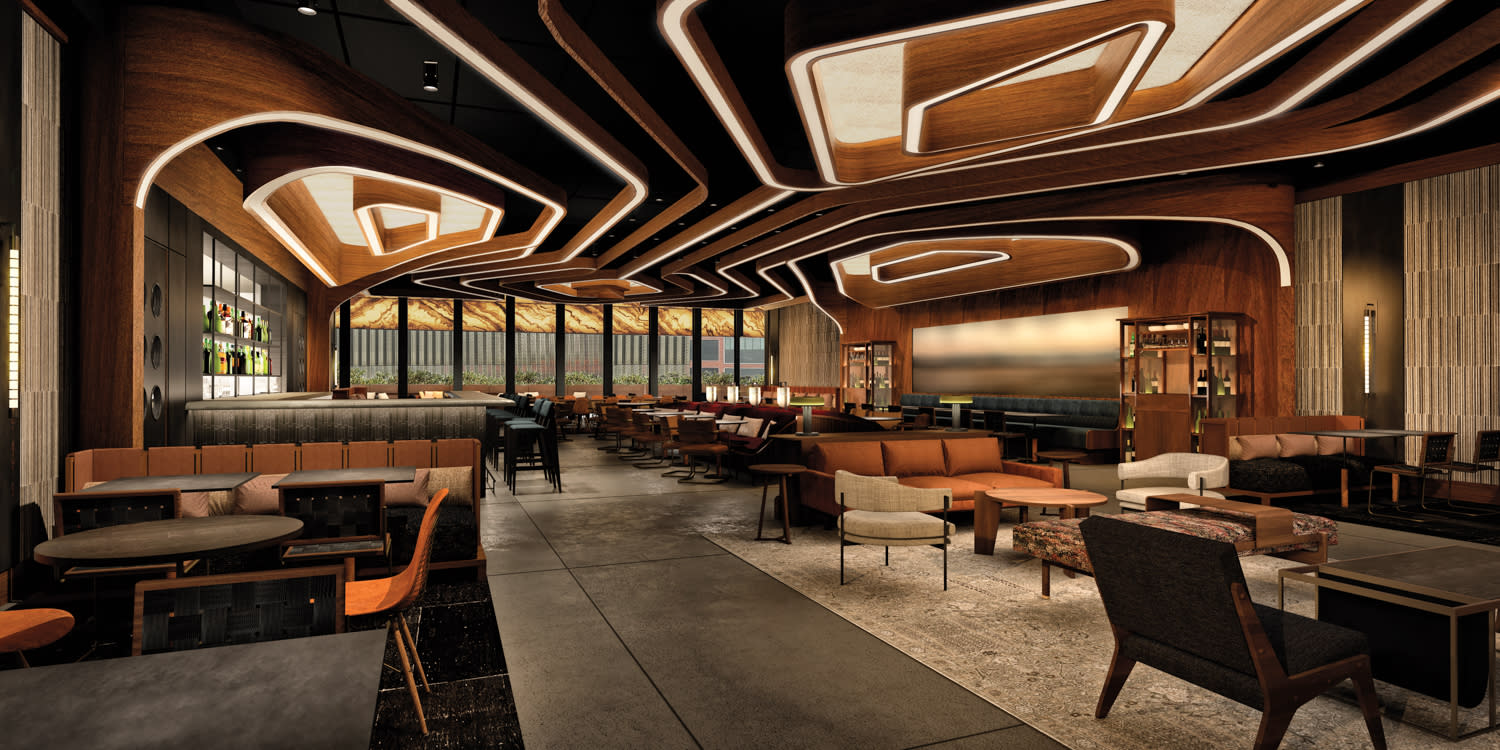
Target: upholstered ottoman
1295, 536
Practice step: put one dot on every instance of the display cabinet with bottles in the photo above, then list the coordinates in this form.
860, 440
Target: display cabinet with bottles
243, 312
869, 373
1177, 370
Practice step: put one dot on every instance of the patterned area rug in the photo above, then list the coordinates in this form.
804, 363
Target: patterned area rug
1044, 660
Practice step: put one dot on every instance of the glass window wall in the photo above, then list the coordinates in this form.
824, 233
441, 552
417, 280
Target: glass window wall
631, 355
484, 346
536, 348
584, 346
716, 353
674, 369
429, 341
373, 342
753, 348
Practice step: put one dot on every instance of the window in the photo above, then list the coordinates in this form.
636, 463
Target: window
373, 341
536, 348
631, 325
674, 369
753, 348
584, 347
716, 356
484, 345
429, 341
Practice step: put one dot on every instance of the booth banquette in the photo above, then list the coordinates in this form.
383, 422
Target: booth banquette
452, 464
1269, 460
748, 441
964, 465
1086, 424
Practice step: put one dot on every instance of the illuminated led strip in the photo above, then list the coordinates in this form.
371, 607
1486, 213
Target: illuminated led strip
436, 29
737, 218
365, 215
1154, 32
997, 256
256, 204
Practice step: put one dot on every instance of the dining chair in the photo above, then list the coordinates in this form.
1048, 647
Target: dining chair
1486, 458
22, 629
699, 438
221, 610
340, 521
1435, 453
879, 510
395, 594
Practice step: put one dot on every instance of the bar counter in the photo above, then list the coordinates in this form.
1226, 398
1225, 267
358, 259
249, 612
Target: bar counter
318, 417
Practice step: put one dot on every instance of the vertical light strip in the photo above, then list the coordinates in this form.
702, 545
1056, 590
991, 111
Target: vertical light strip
1369, 343
13, 336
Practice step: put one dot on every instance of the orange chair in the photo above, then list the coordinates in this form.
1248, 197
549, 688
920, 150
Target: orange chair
21, 629
395, 594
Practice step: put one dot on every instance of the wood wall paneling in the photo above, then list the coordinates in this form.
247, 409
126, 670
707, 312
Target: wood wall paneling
1320, 330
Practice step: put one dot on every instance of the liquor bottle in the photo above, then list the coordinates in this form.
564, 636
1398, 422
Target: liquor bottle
1202, 342
1225, 386
1202, 382
207, 350
221, 365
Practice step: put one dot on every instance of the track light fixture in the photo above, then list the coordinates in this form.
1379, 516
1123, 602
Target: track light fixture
429, 76
307, 7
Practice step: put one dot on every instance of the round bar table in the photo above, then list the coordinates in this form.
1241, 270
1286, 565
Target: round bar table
782, 471
168, 540
1063, 456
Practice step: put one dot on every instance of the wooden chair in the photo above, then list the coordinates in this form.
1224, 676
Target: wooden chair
394, 595
878, 510
22, 629
1178, 603
73, 512
340, 521
219, 610
661, 434
1436, 452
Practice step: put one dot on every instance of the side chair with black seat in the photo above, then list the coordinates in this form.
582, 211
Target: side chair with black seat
1435, 453
879, 510
221, 610
1179, 603
1486, 458
340, 521
395, 594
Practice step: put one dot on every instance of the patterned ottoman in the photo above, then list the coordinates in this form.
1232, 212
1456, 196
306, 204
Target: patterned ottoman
1059, 542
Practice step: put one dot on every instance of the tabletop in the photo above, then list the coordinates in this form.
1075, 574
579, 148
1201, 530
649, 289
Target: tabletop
183, 482
1467, 574
318, 692
778, 468
168, 540
1363, 434
387, 474
1052, 497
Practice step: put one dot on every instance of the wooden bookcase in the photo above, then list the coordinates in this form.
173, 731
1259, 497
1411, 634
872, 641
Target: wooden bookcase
1174, 371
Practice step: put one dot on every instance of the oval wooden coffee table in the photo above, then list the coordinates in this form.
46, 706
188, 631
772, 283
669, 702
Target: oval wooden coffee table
987, 504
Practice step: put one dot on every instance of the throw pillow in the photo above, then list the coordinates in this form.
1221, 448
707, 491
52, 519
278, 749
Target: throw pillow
1236, 453
751, 427
971, 456
458, 481
1297, 445
1329, 445
909, 458
1258, 446
413, 493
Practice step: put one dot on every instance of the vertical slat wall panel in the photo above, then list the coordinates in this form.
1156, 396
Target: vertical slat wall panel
41, 199
1319, 286
808, 350
1452, 321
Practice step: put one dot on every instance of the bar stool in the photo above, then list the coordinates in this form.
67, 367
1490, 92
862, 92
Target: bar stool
529, 446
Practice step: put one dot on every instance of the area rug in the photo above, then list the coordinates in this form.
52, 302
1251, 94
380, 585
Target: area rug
1044, 660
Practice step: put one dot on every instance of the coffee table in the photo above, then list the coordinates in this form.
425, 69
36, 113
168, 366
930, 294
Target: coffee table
168, 540
1419, 609
987, 504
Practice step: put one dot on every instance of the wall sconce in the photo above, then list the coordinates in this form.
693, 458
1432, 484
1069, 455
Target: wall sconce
958, 402
753, 394
711, 393
734, 394
1368, 349
783, 396
807, 403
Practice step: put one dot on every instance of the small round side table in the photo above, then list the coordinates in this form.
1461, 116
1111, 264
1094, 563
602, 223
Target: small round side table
1064, 457
782, 471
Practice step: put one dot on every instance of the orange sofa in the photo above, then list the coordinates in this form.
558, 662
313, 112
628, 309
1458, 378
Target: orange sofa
965, 466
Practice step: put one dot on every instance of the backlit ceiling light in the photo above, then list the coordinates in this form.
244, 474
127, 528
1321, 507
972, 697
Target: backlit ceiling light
308, 7
429, 76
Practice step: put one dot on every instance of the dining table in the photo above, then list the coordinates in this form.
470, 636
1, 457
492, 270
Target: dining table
181, 482
318, 691
1358, 434
387, 474
170, 540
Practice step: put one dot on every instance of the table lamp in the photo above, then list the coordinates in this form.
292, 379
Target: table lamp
958, 402
711, 393
807, 403
783, 396
734, 394
754, 394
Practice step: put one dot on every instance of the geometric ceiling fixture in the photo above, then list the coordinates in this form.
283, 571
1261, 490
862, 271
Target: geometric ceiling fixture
886, 273
600, 289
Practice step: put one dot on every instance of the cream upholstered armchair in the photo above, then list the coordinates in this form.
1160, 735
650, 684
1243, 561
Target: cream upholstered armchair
1201, 471
878, 510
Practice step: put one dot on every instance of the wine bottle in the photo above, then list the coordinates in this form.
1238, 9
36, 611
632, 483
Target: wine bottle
1202, 382
221, 366
207, 346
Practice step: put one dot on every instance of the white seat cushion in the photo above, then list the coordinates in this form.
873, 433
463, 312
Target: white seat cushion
1135, 497
893, 528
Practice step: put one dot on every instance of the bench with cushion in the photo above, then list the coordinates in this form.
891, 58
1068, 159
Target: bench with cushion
1253, 529
1269, 461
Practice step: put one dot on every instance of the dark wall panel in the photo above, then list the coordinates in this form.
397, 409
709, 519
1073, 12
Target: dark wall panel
1372, 259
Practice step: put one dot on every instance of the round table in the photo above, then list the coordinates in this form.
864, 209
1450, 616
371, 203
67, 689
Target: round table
782, 471
169, 540
1063, 456
1073, 503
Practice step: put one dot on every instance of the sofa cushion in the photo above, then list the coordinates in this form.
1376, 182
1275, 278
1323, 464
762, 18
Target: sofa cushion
909, 458
257, 496
1297, 445
413, 493
966, 456
1258, 446
1329, 445
856, 458
996, 479
963, 489
458, 480
751, 427
204, 504
1268, 475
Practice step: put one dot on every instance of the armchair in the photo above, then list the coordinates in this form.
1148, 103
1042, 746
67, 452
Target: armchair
878, 510
1179, 603
1200, 470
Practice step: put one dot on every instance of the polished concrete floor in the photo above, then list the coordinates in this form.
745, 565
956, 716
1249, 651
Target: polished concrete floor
624, 627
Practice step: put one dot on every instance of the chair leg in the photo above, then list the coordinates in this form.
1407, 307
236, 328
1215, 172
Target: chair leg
1119, 671
945, 565
1274, 721
411, 682
22, 656
1046, 580
888, 557
412, 642
1369, 705
841, 555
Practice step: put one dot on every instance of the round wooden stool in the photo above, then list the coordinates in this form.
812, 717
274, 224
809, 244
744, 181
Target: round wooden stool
21, 629
782, 471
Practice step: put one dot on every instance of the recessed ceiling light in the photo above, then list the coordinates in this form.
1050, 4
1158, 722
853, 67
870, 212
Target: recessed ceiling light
308, 7
429, 76
1317, 165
